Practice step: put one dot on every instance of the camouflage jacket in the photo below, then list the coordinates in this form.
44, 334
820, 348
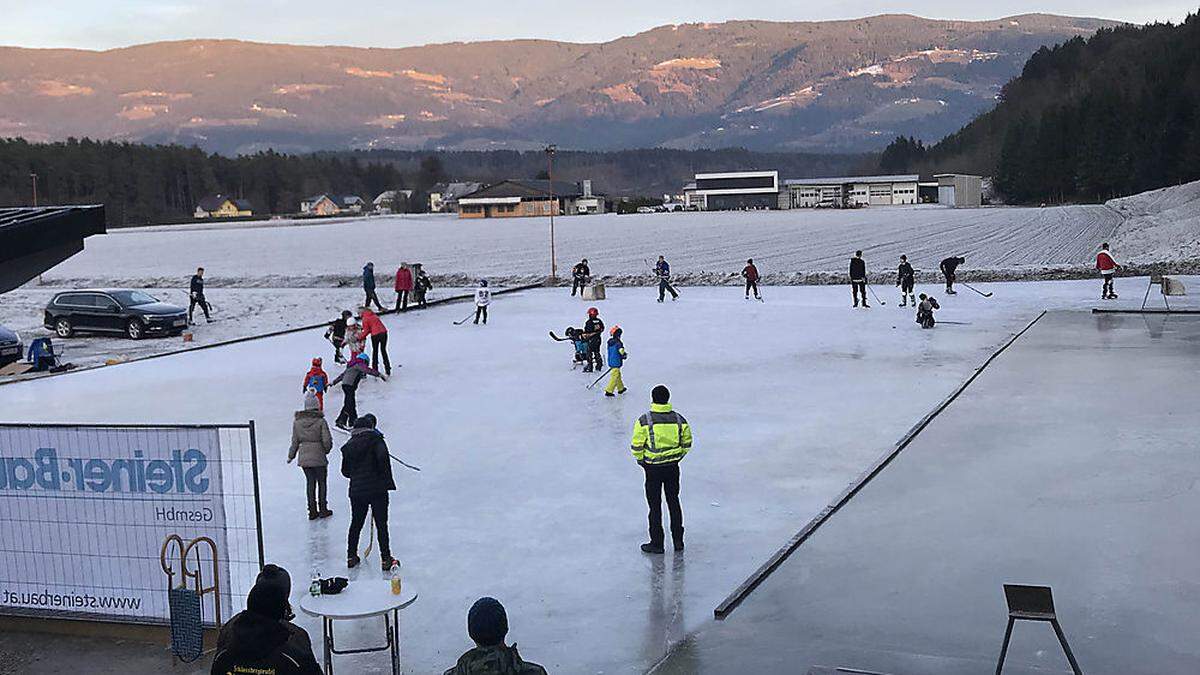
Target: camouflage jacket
498, 660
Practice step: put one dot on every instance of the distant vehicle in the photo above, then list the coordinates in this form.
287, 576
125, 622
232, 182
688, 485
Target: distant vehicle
10, 346
134, 313
645, 209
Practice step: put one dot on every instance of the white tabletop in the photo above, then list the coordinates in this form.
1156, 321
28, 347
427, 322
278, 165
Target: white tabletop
361, 598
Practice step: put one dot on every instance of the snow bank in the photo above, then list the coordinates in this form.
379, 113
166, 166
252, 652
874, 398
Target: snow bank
1160, 225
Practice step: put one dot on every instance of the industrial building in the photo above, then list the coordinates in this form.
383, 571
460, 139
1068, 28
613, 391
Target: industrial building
852, 191
762, 190
520, 198
734, 190
960, 190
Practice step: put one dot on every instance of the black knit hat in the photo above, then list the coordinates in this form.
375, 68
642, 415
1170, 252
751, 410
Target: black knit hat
268, 600
660, 394
365, 422
487, 624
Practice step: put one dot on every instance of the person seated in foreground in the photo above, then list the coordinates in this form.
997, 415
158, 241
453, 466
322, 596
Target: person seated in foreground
262, 639
487, 624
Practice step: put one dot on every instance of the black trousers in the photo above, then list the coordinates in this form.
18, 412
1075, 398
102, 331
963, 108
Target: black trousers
856, 287
577, 283
751, 285
379, 346
401, 300
338, 343
316, 476
664, 286
198, 299
372, 296
1107, 289
594, 360
481, 310
378, 504
349, 414
949, 280
663, 479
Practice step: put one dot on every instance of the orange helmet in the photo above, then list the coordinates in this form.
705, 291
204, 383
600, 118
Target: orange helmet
614, 330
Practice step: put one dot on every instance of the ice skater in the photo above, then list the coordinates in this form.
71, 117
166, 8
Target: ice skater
403, 286
196, 296
949, 266
311, 443
750, 274
593, 331
575, 335
368, 284
356, 370
317, 381
421, 286
483, 298
925, 311
581, 274
616, 359
905, 277
662, 271
373, 327
366, 462
661, 438
336, 334
1108, 266
858, 278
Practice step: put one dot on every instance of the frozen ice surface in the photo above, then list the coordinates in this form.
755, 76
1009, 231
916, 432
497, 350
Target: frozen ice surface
528, 492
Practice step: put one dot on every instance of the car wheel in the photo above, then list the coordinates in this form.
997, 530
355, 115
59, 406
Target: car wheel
134, 329
63, 327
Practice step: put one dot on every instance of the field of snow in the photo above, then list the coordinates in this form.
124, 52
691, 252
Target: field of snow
528, 492
1161, 225
704, 248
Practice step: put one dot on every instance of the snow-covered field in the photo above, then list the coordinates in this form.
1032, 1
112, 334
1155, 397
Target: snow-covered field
794, 246
1160, 225
528, 492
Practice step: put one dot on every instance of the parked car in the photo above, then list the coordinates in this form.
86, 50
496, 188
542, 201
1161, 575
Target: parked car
11, 347
134, 313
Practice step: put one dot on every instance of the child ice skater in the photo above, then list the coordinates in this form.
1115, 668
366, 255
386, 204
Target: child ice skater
616, 358
318, 381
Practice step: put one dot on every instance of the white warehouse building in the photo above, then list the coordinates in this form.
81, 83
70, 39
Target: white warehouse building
852, 191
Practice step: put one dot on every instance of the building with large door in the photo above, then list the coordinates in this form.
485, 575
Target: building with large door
735, 190
852, 191
520, 198
960, 190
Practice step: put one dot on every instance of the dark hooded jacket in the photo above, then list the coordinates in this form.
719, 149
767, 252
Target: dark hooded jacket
366, 463
494, 660
254, 643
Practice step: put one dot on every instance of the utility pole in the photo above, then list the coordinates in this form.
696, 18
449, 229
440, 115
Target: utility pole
550, 150
33, 176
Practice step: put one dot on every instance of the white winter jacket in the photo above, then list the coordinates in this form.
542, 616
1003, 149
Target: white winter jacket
483, 296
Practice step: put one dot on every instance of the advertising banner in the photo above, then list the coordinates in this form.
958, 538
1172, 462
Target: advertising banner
86, 510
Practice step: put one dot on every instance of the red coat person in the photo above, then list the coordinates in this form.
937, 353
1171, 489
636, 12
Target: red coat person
404, 279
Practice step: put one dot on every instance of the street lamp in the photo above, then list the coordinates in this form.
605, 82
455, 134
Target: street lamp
33, 177
550, 150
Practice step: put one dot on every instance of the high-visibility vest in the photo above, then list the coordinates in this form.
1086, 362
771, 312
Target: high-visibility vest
661, 436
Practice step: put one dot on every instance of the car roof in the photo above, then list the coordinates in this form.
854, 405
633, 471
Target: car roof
99, 290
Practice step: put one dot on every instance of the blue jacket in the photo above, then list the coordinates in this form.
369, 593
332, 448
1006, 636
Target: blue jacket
662, 269
616, 352
368, 278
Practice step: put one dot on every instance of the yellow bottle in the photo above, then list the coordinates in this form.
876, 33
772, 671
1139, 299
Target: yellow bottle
396, 584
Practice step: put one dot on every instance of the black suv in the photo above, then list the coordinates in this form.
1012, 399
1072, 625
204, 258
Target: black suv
133, 313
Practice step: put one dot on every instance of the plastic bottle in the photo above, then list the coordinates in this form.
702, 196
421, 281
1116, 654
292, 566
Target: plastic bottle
314, 588
396, 583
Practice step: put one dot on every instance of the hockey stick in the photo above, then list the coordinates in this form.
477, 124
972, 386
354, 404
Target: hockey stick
370, 537
986, 295
459, 323
882, 302
556, 338
403, 463
599, 378
954, 323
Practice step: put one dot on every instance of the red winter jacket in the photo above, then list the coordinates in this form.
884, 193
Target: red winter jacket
1105, 262
371, 324
404, 279
750, 273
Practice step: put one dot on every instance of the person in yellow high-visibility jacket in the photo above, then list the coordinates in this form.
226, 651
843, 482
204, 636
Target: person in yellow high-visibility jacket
661, 438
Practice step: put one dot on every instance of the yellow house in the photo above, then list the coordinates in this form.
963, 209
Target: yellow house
220, 206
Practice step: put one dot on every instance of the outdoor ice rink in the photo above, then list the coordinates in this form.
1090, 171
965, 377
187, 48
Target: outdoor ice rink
528, 492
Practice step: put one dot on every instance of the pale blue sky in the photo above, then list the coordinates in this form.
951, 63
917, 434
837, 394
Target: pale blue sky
93, 24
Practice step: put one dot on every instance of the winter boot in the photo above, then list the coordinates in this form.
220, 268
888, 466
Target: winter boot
622, 391
389, 562
651, 547
313, 515
609, 394
325, 513
352, 561
904, 301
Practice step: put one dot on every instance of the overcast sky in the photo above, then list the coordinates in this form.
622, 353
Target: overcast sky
94, 24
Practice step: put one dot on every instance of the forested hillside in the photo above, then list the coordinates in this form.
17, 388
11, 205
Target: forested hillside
1087, 120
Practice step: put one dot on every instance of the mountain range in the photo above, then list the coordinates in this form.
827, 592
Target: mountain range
832, 86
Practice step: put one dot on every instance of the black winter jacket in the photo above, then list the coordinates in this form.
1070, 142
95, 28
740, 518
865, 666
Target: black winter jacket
366, 463
255, 643
858, 269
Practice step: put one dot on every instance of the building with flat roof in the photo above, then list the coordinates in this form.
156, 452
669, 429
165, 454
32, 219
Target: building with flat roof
852, 191
732, 190
960, 190
516, 198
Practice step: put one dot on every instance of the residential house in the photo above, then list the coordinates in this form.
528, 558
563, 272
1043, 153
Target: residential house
220, 206
517, 198
331, 205
443, 197
392, 201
